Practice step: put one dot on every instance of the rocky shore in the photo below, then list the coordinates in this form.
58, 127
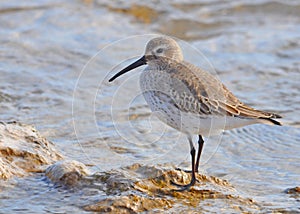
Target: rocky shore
132, 189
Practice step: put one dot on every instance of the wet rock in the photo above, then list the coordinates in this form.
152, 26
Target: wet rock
23, 150
295, 190
129, 204
67, 172
148, 188
9, 169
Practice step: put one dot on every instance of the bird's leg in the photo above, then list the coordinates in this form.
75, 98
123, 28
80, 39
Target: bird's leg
193, 180
200, 146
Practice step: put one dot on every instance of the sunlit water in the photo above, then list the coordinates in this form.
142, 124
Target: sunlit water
49, 79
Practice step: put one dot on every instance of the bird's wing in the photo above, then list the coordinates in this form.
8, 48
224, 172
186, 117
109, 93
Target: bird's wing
196, 91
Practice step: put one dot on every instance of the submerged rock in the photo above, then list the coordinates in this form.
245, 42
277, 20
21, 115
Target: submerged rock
142, 13
295, 190
23, 150
67, 172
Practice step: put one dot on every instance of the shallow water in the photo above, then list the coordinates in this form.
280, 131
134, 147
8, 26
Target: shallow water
49, 79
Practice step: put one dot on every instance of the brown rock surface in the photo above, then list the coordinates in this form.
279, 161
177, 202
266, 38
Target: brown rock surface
295, 190
129, 204
140, 188
23, 150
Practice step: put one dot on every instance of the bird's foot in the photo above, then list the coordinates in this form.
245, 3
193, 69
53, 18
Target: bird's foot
183, 187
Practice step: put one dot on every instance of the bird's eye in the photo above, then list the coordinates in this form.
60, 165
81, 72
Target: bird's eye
159, 50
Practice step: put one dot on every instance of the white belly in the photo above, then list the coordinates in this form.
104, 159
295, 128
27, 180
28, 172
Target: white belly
164, 109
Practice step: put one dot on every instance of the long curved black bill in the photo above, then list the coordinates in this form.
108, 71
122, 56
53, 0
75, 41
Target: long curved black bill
139, 62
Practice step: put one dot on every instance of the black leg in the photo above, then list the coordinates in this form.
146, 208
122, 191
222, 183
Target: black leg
200, 146
193, 180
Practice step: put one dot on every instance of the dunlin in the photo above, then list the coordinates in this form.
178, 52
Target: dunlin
190, 99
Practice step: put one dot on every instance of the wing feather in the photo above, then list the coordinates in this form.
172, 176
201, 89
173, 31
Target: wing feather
205, 95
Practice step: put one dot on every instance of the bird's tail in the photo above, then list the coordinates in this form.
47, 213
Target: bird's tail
270, 119
262, 116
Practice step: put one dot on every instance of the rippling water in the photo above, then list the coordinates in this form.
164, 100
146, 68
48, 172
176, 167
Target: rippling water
47, 70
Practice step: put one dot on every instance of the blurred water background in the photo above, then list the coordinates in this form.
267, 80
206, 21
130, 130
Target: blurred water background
49, 78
